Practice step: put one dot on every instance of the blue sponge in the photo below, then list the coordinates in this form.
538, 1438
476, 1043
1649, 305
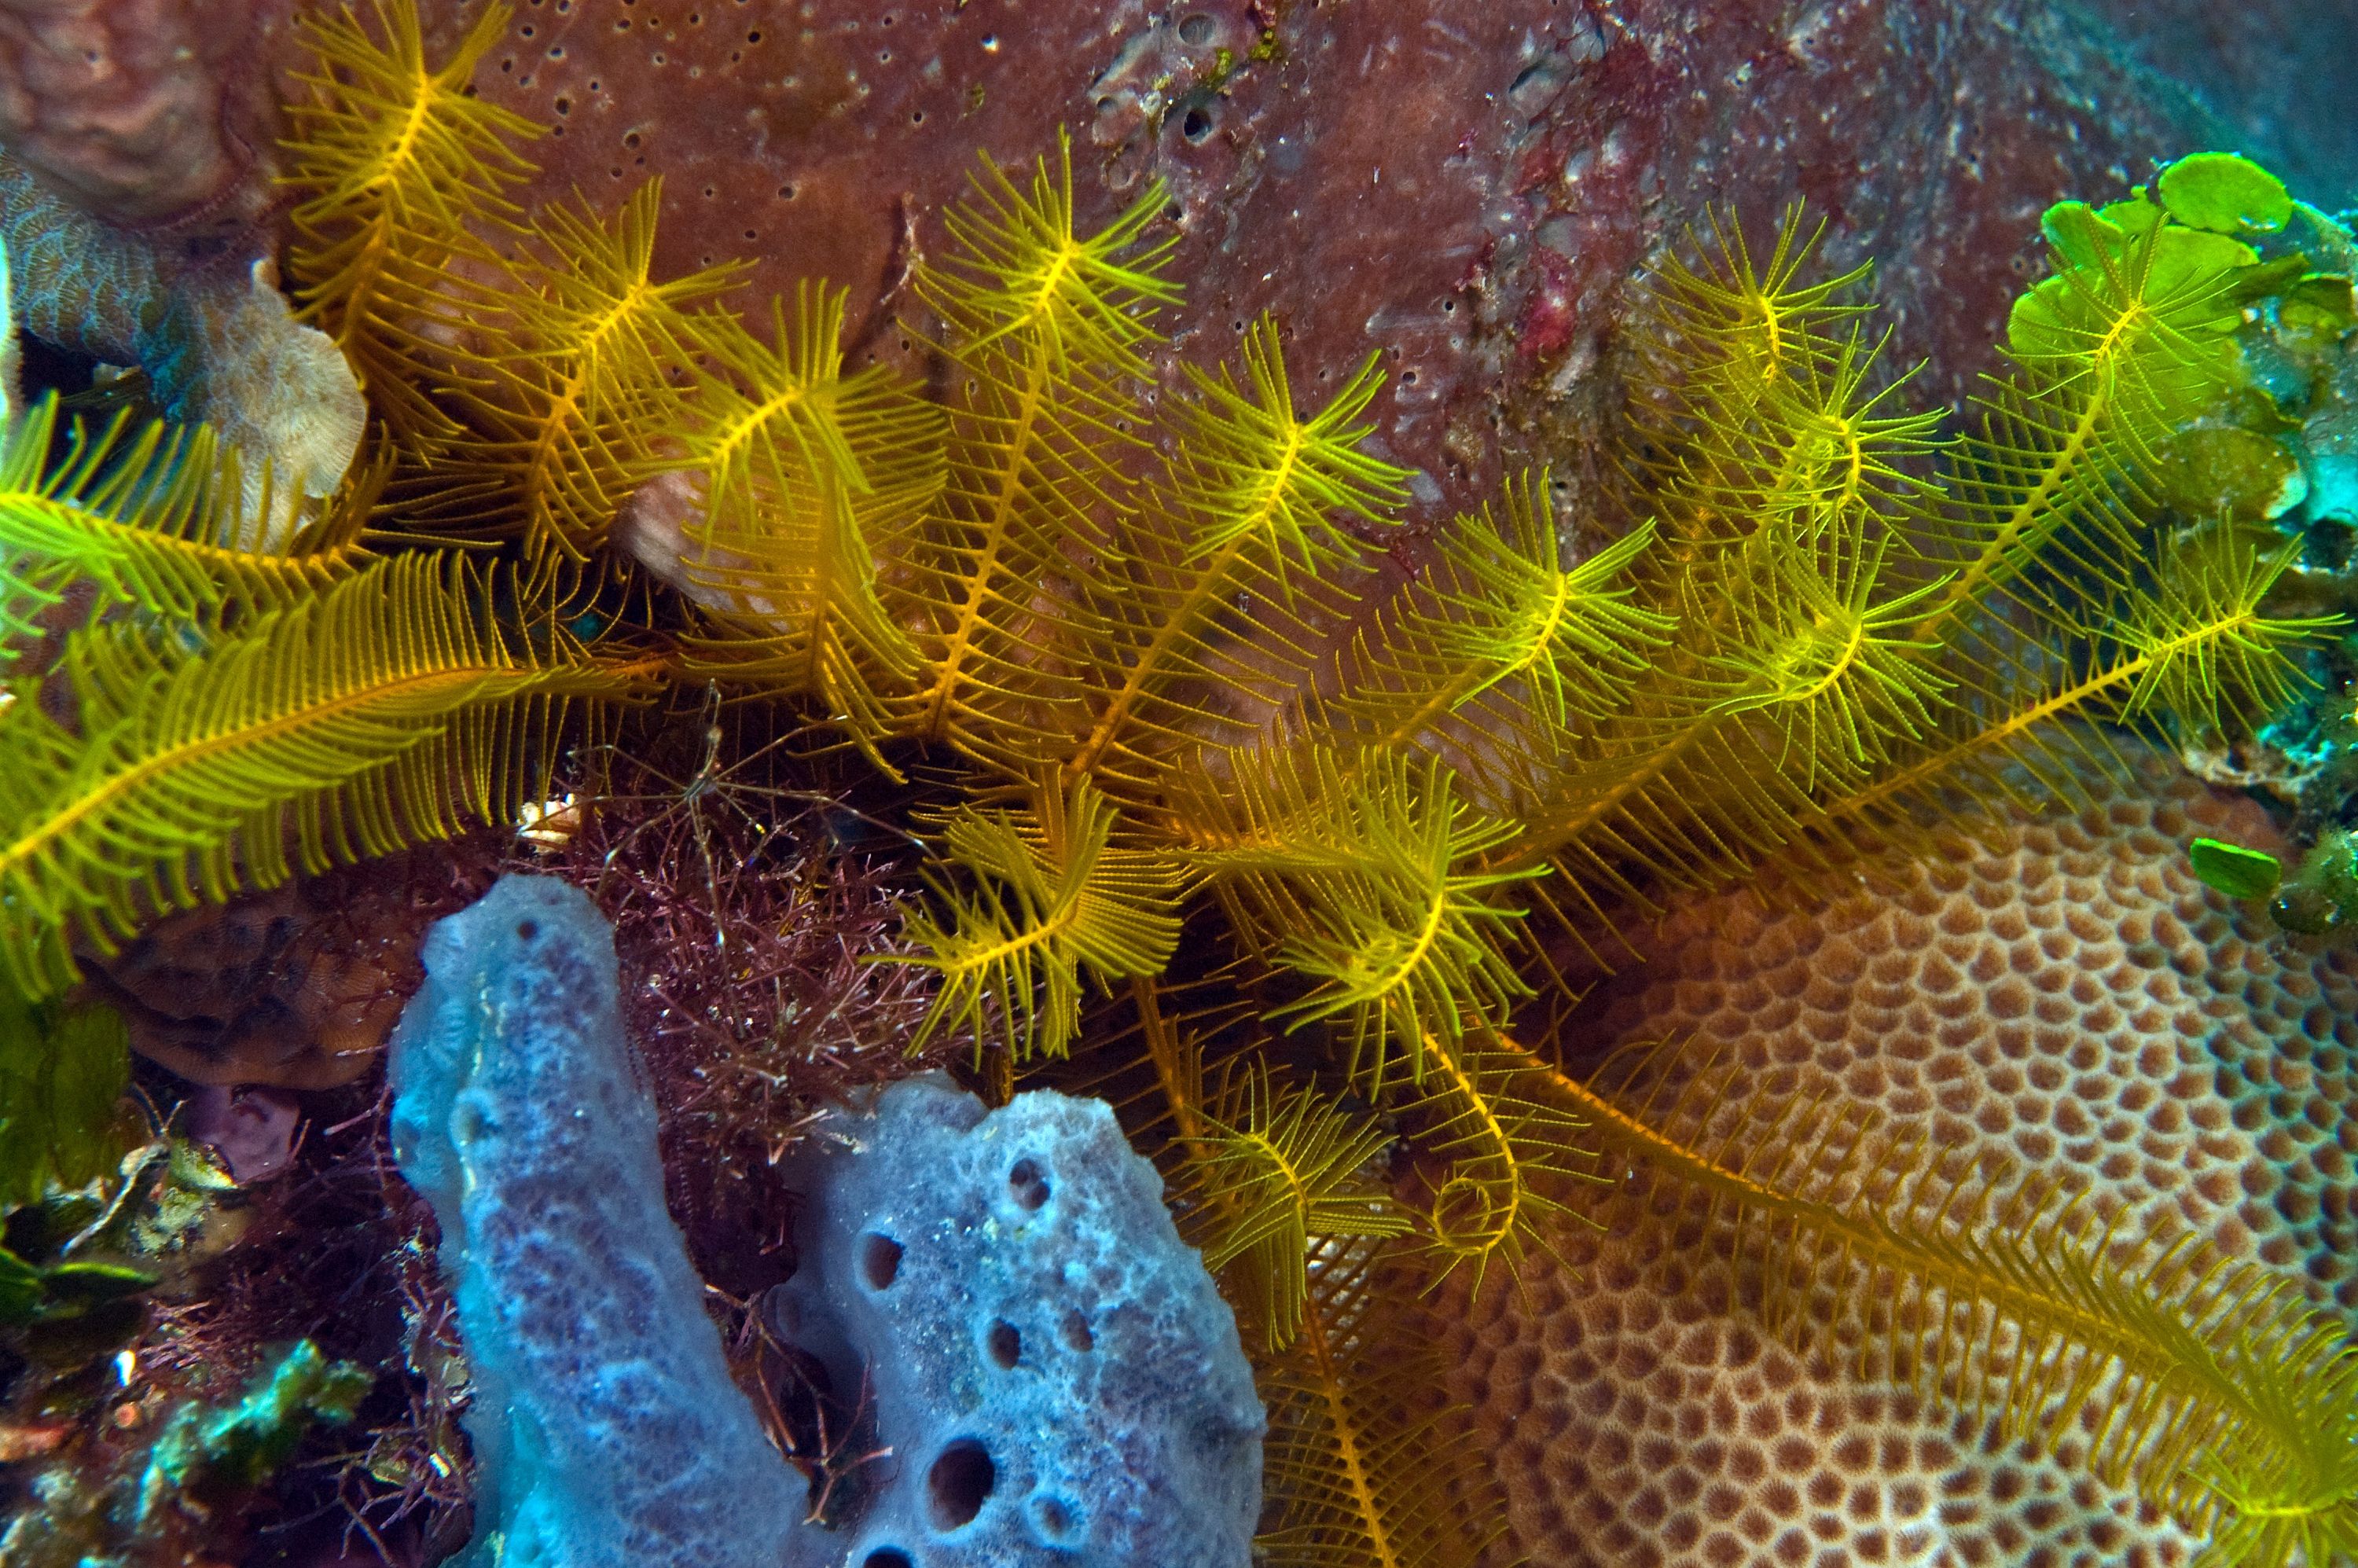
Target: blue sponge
1055, 1376
605, 1424
1057, 1379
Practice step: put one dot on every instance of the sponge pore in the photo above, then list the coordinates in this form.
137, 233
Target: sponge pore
1055, 1376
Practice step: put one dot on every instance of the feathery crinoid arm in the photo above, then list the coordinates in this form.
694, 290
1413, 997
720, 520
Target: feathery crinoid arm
565, 384
401, 172
385, 710
1830, 440
1498, 655
1743, 325
1780, 475
2129, 338
1363, 1463
1272, 1173
1828, 674
1361, 879
138, 514
1056, 896
2066, 601
1726, 346
807, 476
2295, 1498
1508, 1156
1366, 1462
2187, 648
2198, 647
1863, 643
1046, 328
1230, 549
1793, 675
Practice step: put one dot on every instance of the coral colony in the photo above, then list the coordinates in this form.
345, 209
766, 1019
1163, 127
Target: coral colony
1090, 896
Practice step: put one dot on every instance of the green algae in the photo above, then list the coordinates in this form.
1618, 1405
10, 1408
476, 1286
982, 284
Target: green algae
2225, 193
2233, 870
221, 1452
62, 1074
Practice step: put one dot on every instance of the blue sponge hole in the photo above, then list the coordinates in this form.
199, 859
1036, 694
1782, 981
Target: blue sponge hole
1056, 1521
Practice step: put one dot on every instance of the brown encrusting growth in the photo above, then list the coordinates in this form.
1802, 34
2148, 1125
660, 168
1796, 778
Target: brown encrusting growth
1538, 153
296, 986
119, 104
2071, 1004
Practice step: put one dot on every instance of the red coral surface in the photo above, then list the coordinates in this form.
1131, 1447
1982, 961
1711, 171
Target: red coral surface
137, 110
1466, 191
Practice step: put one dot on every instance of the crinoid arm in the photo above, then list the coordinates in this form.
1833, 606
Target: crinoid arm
1203, 614
388, 710
1270, 1173
1047, 327
140, 513
2207, 1385
1362, 876
806, 478
1054, 896
406, 173
1361, 1465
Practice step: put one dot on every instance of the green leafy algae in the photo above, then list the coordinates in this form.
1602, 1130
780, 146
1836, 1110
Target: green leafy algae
205, 1452
2225, 193
2235, 870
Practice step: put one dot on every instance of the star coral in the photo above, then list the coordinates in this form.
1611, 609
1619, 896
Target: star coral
2072, 996
218, 341
2069, 1004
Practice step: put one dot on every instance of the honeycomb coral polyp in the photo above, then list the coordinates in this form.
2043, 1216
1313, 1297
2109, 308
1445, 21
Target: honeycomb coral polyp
2069, 1006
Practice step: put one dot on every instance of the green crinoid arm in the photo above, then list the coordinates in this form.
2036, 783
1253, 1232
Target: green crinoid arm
139, 514
1273, 1172
388, 710
1253, 504
1047, 327
1055, 900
